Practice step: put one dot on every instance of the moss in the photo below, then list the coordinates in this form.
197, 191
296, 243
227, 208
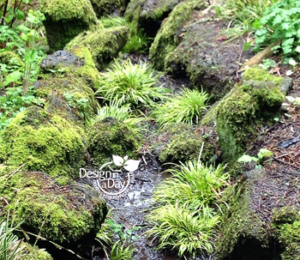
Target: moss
166, 39
107, 7
65, 19
11, 58
64, 215
42, 142
33, 253
240, 222
104, 44
111, 137
76, 99
259, 74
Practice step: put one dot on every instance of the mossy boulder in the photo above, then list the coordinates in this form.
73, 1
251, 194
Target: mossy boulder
181, 143
167, 37
149, 14
42, 142
241, 224
77, 62
69, 215
247, 105
111, 137
104, 44
109, 7
65, 19
69, 97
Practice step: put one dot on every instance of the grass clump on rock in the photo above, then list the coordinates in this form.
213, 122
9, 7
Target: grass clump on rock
133, 84
187, 108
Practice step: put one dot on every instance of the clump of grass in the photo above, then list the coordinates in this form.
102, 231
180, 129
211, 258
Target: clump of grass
132, 84
187, 108
176, 227
109, 21
119, 251
192, 184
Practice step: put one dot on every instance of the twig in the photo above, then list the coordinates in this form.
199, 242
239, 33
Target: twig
200, 154
286, 163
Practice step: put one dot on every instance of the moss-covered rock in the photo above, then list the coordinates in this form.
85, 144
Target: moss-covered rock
43, 142
70, 215
77, 62
65, 19
69, 97
240, 224
104, 44
10, 58
149, 14
111, 137
246, 105
108, 7
167, 37
182, 143
30, 252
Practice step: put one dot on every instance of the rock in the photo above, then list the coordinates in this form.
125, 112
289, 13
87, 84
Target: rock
111, 137
109, 7
256, 99
104, 44
77, 62
66, 19
181, 143
149, 14
69, 215
42, 142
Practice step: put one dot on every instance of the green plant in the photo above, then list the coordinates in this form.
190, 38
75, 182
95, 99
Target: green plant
126, 83
294, 101
192, 184
187, 108
119, 251
261, 155
185, 231
281, 23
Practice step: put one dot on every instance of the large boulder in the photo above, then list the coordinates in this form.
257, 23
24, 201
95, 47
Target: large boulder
64, 212
104, 44
248, 104
66, 19
43, 142
109, 7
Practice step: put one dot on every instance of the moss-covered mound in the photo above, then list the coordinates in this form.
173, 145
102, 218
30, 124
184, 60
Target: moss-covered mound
69, 215
30, 252
245, 106
104, 44
111, 137
167, 38
42, 142
181, 143
69, 97
149, 14
65, 19
108, 7
77, 62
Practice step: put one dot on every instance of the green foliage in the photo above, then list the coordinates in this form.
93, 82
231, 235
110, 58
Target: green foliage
261, 155
126, 83
247, 158
121, 252
195, 185
281, 22
294, 101
178, 228
264, 153
186, 108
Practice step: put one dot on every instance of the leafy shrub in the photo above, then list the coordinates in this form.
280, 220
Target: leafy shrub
176, 227
126, 83
187, 108
192, 184
281, 22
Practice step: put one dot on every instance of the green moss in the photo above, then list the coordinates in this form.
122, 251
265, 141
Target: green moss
240, 222
104, 44
259, 74
11, 58
107, 7
166, 39
76, 99
65, 19
42, 142
111, 137
33, 253
60, 215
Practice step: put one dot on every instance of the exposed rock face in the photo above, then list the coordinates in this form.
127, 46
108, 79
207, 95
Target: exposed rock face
68, 215
65, 19
104, 44
149, 14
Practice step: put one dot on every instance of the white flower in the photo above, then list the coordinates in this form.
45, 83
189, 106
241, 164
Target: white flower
292, 62
289, 73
